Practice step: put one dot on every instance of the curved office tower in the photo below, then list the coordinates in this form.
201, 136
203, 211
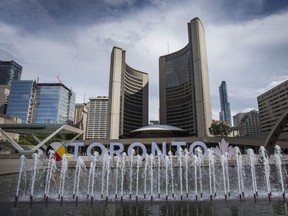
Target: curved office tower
184, 85
128, 97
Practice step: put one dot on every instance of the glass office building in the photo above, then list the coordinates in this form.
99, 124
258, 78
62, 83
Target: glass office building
54, 103
21, 100
225, 113
41, 102
9, 71
184, 85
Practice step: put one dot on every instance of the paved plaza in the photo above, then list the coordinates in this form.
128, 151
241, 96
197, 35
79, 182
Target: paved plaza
8, 166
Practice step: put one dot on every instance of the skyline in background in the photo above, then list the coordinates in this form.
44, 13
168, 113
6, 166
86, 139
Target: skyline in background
246, 43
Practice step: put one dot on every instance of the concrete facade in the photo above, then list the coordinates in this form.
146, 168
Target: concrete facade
80, 118
237, 119
4, 96
128, 97
249, 124
97, 118
184, 85
272, 104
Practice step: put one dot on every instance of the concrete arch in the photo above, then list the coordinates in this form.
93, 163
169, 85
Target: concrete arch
276, 131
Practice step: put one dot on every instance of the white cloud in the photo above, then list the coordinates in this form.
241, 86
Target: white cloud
249, 55
247, 110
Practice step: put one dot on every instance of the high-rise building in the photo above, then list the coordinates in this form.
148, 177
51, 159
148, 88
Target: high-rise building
41, 102
249, 124
225, 113
9, 71
54, 103
184, 85
4, 96
272, 104
237, 118
128, 97
21, 100
80, 118
97, 118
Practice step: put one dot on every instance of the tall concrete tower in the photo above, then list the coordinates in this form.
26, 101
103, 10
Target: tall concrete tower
128, 97
184, 85
97, 118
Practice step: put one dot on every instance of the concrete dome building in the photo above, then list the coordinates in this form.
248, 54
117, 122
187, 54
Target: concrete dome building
158, 131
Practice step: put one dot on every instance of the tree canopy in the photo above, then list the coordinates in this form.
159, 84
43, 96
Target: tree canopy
219, 128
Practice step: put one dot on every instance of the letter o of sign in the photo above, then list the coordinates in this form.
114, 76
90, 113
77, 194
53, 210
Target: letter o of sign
199, 143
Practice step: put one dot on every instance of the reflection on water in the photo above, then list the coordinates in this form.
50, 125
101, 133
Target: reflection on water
219, 207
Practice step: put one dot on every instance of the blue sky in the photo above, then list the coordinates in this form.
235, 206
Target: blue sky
247, 42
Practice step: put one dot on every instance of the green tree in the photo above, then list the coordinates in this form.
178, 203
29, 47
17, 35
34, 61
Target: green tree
219, 128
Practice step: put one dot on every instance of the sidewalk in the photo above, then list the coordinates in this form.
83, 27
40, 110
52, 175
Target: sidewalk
8, 166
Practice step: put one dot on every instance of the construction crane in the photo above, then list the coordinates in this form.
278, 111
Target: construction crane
59, 78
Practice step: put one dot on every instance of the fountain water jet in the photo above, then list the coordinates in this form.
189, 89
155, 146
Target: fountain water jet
89, 179
211, 173
108, 175
154, 168
239, 172
252, 160
166, 174
104, 163
186, 170
151, 174
50, 171
64, 168
172, 172
180, 171
195, 163
277, 158
21, 170
96, 154
137, 175
147, 160
223, 161
159, 173
131, 171
116, 174
123, 166
80, 166
265, 159
199, 163
36, 157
